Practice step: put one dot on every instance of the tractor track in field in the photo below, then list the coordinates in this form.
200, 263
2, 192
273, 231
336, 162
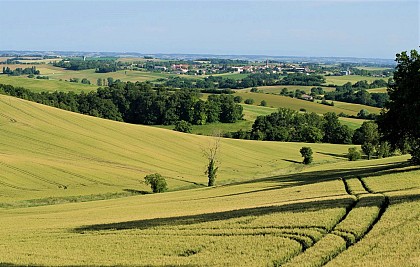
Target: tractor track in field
366, 198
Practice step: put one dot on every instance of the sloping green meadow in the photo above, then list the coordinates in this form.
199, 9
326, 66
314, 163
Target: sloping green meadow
267, 209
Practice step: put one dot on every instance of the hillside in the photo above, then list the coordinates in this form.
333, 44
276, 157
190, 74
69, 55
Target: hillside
44, 150
333, 211
278, 101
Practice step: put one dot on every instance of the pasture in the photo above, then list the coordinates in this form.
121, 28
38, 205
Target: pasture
341, 80
275, 89
59, 78
266, 210
278, 101
40, 85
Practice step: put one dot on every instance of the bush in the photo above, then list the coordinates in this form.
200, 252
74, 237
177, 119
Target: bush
306, 153
354, 154
183, 126
254, 90
237, 99
156, 182
263, 103
249, 101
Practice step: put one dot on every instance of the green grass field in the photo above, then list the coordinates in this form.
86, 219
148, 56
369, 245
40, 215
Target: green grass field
251, 112
378, 90
278, 101
277, 88
340, 80
60, 169
39, 85
59, 78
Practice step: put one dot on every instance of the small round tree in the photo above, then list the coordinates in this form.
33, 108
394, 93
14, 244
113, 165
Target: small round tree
263, 103
354, 154
249, 101
183, 126
306, 153
156, 182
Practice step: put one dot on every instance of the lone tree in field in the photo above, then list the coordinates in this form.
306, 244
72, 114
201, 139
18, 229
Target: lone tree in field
156, 182
354, 154
368, 136
399, 123
306, 153
211, 153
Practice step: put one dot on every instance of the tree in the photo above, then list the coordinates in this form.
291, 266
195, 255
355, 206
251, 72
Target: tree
249, 101
263, 103
183, 126
306, 153
156, 182
353, 154
400, 120
368, 136
85, 81
99, 82
237, 99
211, 154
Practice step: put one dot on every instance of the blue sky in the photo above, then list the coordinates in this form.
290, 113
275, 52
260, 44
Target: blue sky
373, 29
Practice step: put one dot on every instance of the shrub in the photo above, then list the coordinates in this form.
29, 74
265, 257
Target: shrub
254, 89
183, 126
237, 99
156, 182
354, 154
249, 101
306, 153
263, 103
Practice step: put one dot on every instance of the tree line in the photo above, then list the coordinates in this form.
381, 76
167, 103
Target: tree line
252, 80
100, 66
139, 103
291, 126
357, 93
20, 71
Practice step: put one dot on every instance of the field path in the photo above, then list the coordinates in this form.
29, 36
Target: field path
360, 218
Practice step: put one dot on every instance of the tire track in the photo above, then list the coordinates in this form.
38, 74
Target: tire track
369, 198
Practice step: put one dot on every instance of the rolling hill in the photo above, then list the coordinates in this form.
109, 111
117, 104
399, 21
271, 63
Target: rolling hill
267, 209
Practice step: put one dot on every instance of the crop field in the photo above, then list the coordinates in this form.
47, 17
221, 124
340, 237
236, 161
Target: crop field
340, 80
378, 90
59, 78
275, 89
235, 76
40, 85
64, 199
278, 101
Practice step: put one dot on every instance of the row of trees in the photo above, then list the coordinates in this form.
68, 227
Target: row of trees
101, 66
139, 103
252, 80
20, 71
359, 95
290, 125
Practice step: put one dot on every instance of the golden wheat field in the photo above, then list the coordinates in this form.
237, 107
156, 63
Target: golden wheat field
71, 194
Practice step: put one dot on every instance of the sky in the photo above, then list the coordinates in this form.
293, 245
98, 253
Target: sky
332, 28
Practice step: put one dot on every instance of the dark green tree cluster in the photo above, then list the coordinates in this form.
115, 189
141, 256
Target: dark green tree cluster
399, 124
302, 79
306, 153
252, 80
157, 182
19, 71
100, 66
139, 103
358, 94
289, 125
